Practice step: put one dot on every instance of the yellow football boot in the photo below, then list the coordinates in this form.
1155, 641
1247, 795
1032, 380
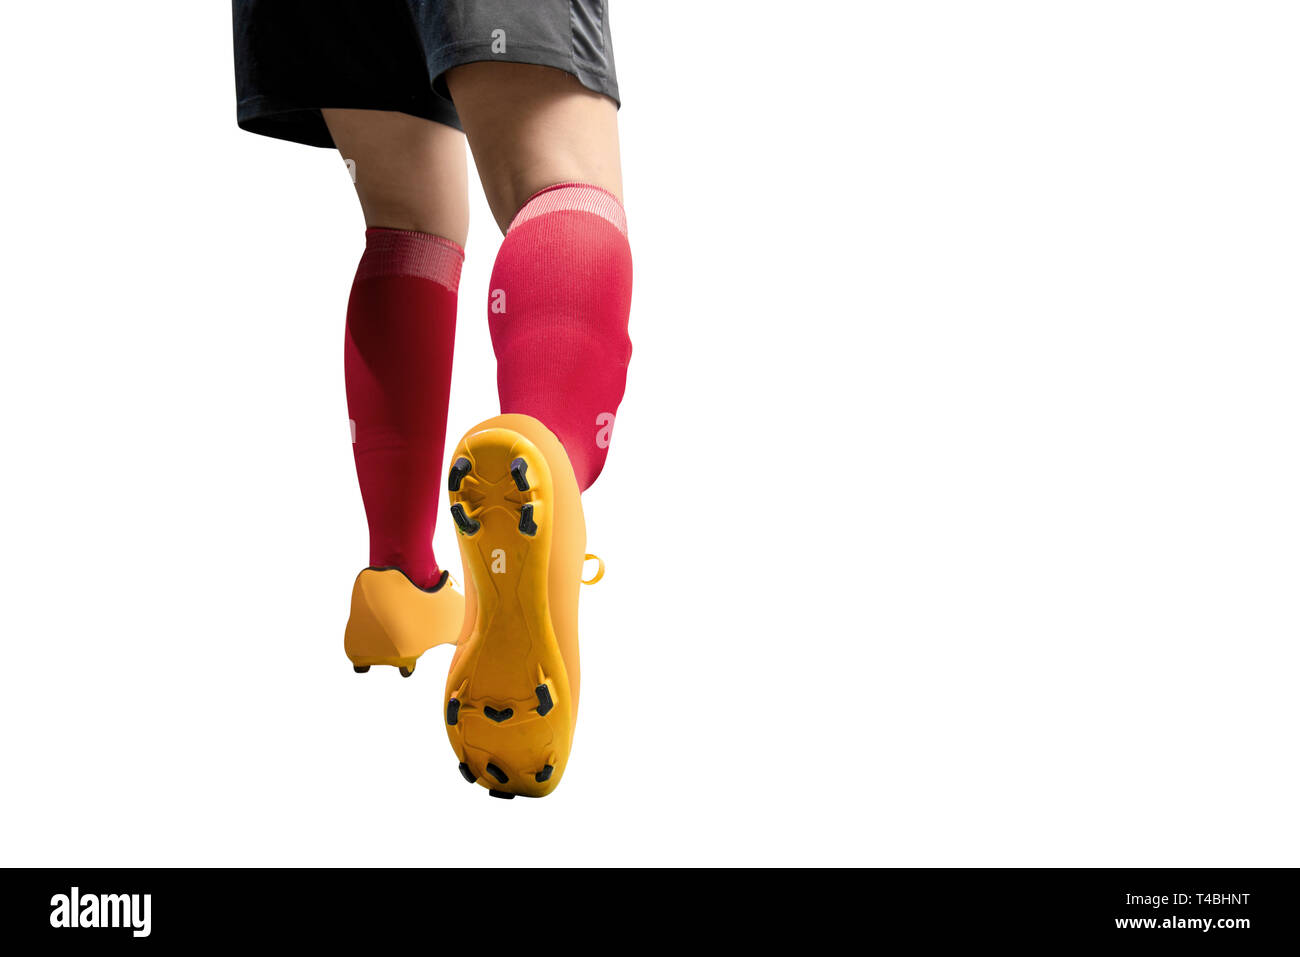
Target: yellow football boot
394, 621
512, 692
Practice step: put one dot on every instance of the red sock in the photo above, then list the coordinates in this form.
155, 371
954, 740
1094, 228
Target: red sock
558, 309
397, 364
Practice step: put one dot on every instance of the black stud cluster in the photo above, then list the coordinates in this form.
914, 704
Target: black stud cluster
459, 469
466, 524
526, 523
519, 472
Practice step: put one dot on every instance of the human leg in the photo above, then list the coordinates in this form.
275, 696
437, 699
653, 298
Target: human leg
401, 321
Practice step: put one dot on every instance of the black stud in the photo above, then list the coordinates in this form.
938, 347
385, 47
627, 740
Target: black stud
518, 471
453, 711
544, 774
361, 669
498, 716
459, 469
504, 795
405, 671
463, 521
544, 702
497, 773
466, 773
526, 523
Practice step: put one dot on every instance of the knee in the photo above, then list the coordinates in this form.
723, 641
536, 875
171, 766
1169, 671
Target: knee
398, 209
510, 190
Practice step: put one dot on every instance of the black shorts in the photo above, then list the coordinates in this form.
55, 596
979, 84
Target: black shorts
293, 57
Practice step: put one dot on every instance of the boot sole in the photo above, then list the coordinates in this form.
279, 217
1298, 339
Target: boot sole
507, 713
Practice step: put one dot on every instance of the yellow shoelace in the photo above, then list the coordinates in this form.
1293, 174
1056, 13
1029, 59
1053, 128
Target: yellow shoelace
600, 572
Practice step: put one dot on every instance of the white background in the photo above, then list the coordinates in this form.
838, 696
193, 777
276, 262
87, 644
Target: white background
951, 516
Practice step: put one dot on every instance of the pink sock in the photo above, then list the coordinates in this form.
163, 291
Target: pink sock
397, 365
558, 311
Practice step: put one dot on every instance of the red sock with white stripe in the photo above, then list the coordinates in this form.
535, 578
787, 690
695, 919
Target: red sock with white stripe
558, 311
397, 364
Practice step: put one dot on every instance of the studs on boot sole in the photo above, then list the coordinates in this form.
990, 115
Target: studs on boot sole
453, 711
544, 702
466, 773
519, 471
466, 524
405, 671
361, 669
497, 773
526, 523
459, 469
498, 716
544, 774
504, 795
